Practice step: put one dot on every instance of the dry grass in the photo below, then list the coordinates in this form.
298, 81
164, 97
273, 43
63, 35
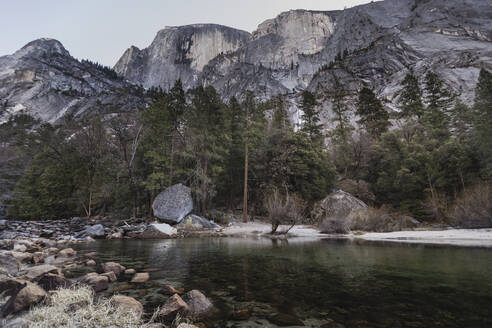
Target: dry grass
473, 208
57, 312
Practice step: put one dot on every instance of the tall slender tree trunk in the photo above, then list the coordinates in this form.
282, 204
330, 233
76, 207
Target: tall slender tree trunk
245, 195
204, 190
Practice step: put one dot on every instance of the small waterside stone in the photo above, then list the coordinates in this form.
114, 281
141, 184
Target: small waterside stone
51, 282
130, 271
111, 276
95, 231
198, 304
91, 263
114, 267
141, 277
174, 305
128, 303
96, 281
283, 319
170, 290
37, 272
67, 252
29, 295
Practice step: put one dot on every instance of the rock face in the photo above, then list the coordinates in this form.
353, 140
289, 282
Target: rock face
376, 43
173, 204
45, 81
179, 53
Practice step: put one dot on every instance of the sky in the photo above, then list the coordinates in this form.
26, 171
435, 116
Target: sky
101, 30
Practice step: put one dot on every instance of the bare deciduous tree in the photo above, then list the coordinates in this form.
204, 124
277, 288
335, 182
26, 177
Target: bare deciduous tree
283, 209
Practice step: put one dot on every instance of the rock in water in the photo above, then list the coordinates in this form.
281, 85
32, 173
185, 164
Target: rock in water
174, 305
173, 204
198, 304
95, 231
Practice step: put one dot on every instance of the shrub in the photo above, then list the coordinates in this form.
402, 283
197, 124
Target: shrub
381, 220
335, 226
473, 208
288, 209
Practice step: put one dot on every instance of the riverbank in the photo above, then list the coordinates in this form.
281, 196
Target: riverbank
455, 237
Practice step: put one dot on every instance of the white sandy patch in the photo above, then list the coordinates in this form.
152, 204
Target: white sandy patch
458, 237
260, 228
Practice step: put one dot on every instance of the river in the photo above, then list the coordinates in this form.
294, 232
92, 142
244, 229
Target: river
314, 283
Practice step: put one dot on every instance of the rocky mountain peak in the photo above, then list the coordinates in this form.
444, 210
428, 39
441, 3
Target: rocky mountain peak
179, 52
298, 24
43, 46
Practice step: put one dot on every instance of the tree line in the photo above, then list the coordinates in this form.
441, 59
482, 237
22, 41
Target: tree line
416, 160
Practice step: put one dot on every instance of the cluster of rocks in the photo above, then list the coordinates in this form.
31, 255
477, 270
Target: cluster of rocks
173, 208
30, 269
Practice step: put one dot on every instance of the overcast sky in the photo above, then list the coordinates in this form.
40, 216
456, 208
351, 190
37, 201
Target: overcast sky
101, 30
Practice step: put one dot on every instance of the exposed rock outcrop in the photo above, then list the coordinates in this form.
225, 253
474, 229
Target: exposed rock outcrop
45, 81
179, 53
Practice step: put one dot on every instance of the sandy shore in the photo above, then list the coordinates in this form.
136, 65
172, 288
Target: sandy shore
260, 228
458, 237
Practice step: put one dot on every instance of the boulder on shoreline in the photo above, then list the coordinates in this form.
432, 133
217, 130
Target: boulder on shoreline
156, 231
195, 222
29, 295
173, 204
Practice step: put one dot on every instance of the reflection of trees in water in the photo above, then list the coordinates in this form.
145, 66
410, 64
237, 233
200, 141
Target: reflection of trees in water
382, 283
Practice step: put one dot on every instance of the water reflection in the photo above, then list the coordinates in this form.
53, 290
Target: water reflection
328, 283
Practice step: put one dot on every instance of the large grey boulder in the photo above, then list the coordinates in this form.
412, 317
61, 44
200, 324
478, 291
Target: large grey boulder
335, 210
173, 204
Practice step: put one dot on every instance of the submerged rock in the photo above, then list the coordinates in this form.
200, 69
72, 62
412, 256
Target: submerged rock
112, 267
141, 277
198, 304
173, 204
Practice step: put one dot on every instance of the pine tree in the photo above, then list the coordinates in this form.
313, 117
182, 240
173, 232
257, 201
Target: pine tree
482, 129
310, 117
341, 134
410, 100
439, 100
372, 114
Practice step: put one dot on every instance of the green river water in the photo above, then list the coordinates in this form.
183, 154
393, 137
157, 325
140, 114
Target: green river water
323, 283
